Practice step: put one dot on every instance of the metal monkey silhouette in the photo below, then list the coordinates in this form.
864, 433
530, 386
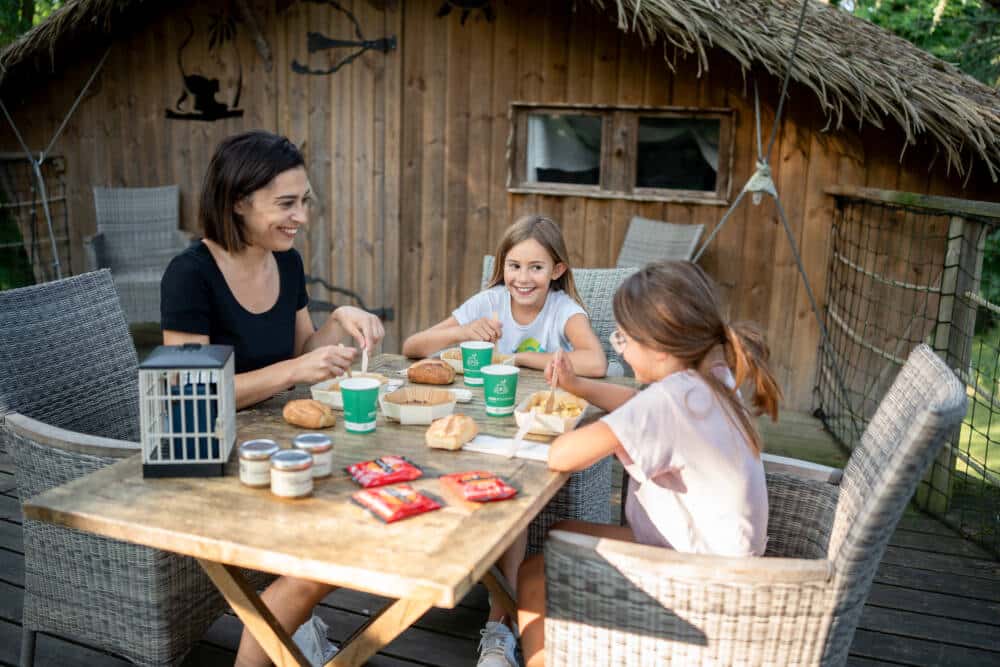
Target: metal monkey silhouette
201, 88
317, 42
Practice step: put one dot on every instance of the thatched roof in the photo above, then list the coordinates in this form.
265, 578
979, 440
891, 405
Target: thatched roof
858, 71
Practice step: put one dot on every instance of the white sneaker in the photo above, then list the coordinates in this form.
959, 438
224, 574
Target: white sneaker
311, 640
497, 648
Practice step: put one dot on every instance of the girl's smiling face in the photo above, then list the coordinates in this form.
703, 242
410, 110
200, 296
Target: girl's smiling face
273, 215
528, 271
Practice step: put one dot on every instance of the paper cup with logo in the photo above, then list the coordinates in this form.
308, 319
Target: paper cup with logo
476, 355
500, 389
360, 398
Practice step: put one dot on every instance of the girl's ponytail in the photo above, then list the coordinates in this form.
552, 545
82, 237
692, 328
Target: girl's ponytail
748, 354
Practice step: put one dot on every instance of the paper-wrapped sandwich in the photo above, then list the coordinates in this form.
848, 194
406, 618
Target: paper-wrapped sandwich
451, 432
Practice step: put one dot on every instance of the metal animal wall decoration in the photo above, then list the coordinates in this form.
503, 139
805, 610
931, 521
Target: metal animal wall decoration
318, 42
467, 7
198, 98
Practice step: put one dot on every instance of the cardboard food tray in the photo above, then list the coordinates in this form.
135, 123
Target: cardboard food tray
549, 424
328, 391
453, 357
417, 405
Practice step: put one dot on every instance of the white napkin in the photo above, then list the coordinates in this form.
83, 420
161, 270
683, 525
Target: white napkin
488, 444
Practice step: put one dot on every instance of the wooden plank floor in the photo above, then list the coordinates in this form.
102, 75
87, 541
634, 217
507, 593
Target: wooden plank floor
935, 599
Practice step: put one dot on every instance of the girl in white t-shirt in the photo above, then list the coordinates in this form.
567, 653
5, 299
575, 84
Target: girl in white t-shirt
530, 308
687, 441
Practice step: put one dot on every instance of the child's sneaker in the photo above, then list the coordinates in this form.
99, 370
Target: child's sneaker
497, 648
311, 640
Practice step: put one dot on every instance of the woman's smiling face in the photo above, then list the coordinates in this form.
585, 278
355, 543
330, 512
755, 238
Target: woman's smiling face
528, 271
273, 215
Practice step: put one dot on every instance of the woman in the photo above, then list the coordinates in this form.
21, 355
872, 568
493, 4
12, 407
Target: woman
244, 285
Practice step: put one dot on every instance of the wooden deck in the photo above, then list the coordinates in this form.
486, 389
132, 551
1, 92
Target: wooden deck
935, 600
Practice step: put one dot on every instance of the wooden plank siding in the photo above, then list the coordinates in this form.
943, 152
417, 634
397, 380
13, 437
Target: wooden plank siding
407, 151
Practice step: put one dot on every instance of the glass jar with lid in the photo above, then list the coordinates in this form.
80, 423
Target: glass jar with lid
291, 473
321, 448
255, 462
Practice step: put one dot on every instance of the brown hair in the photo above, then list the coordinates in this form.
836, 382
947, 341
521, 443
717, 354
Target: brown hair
547, 233
241, 165
673, 307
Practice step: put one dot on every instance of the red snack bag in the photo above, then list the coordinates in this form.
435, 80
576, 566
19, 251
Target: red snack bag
395, 502
479, 486
383, 470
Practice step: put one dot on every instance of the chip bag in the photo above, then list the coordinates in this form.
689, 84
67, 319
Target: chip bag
395, 502
383, 470
478, 486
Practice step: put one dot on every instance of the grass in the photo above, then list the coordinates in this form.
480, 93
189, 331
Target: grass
980, 435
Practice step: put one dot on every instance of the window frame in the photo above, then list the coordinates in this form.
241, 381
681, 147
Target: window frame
619, 152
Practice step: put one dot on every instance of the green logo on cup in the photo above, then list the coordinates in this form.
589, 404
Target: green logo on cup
475, 356
360, 398
500, 389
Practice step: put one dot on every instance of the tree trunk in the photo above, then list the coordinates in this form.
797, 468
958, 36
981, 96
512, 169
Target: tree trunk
27, 14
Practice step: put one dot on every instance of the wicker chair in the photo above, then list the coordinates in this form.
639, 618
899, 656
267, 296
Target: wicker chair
651, 240
585, 495
136, 238
616, 603
68, 406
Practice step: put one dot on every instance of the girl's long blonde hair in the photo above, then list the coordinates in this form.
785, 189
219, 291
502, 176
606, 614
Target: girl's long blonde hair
547, 233
674, 307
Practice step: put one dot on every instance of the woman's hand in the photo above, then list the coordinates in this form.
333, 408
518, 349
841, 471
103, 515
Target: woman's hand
566, 377
485, 329
324, 363
366, 329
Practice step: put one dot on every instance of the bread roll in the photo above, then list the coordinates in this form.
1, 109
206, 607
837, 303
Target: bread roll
308, 414
431, 371
451, 432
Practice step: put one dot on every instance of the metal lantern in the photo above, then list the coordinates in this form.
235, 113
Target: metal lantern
187, 410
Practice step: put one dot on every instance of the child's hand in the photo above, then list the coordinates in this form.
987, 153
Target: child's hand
485, 329
566, 377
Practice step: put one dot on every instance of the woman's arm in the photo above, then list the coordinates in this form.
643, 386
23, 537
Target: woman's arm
582, 448
263, 383
587, 356
449, 333
344, 323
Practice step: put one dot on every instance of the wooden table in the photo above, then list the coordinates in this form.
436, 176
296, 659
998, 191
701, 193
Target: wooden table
430, 560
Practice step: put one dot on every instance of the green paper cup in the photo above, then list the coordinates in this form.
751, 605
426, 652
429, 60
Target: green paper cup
476, 355
360, 398
500, 389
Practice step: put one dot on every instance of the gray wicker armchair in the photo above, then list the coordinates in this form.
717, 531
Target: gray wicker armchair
615, 603
585, 495
68, 406
649, 241
136, 238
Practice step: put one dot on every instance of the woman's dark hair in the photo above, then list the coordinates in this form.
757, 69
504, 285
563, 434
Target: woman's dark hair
241, 165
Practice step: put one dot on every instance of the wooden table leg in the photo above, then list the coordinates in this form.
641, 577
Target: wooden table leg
500, 591
257, 618
380, 629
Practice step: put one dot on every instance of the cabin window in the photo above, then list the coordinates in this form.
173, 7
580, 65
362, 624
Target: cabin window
663, 154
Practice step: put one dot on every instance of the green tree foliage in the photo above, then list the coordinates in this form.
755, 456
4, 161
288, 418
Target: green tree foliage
18, 16
965, 33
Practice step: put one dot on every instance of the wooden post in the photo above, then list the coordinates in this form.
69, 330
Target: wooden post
953, 337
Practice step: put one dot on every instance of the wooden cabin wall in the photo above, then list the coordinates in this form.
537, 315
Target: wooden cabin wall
407, 152
343, 122
459, 82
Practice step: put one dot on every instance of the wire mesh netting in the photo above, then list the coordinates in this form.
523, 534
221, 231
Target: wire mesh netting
900, 276
26, 241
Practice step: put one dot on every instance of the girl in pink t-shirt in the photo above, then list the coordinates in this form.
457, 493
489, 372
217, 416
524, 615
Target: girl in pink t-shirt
687, 441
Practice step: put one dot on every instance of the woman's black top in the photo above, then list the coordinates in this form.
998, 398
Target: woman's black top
194, 298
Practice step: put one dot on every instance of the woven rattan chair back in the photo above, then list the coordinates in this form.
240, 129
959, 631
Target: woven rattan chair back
652, 240
597, 289
139, 227
66, 357
919, 413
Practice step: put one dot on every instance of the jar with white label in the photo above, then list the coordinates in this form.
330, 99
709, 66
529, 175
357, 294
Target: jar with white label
321, 448
255, 462
291, 473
